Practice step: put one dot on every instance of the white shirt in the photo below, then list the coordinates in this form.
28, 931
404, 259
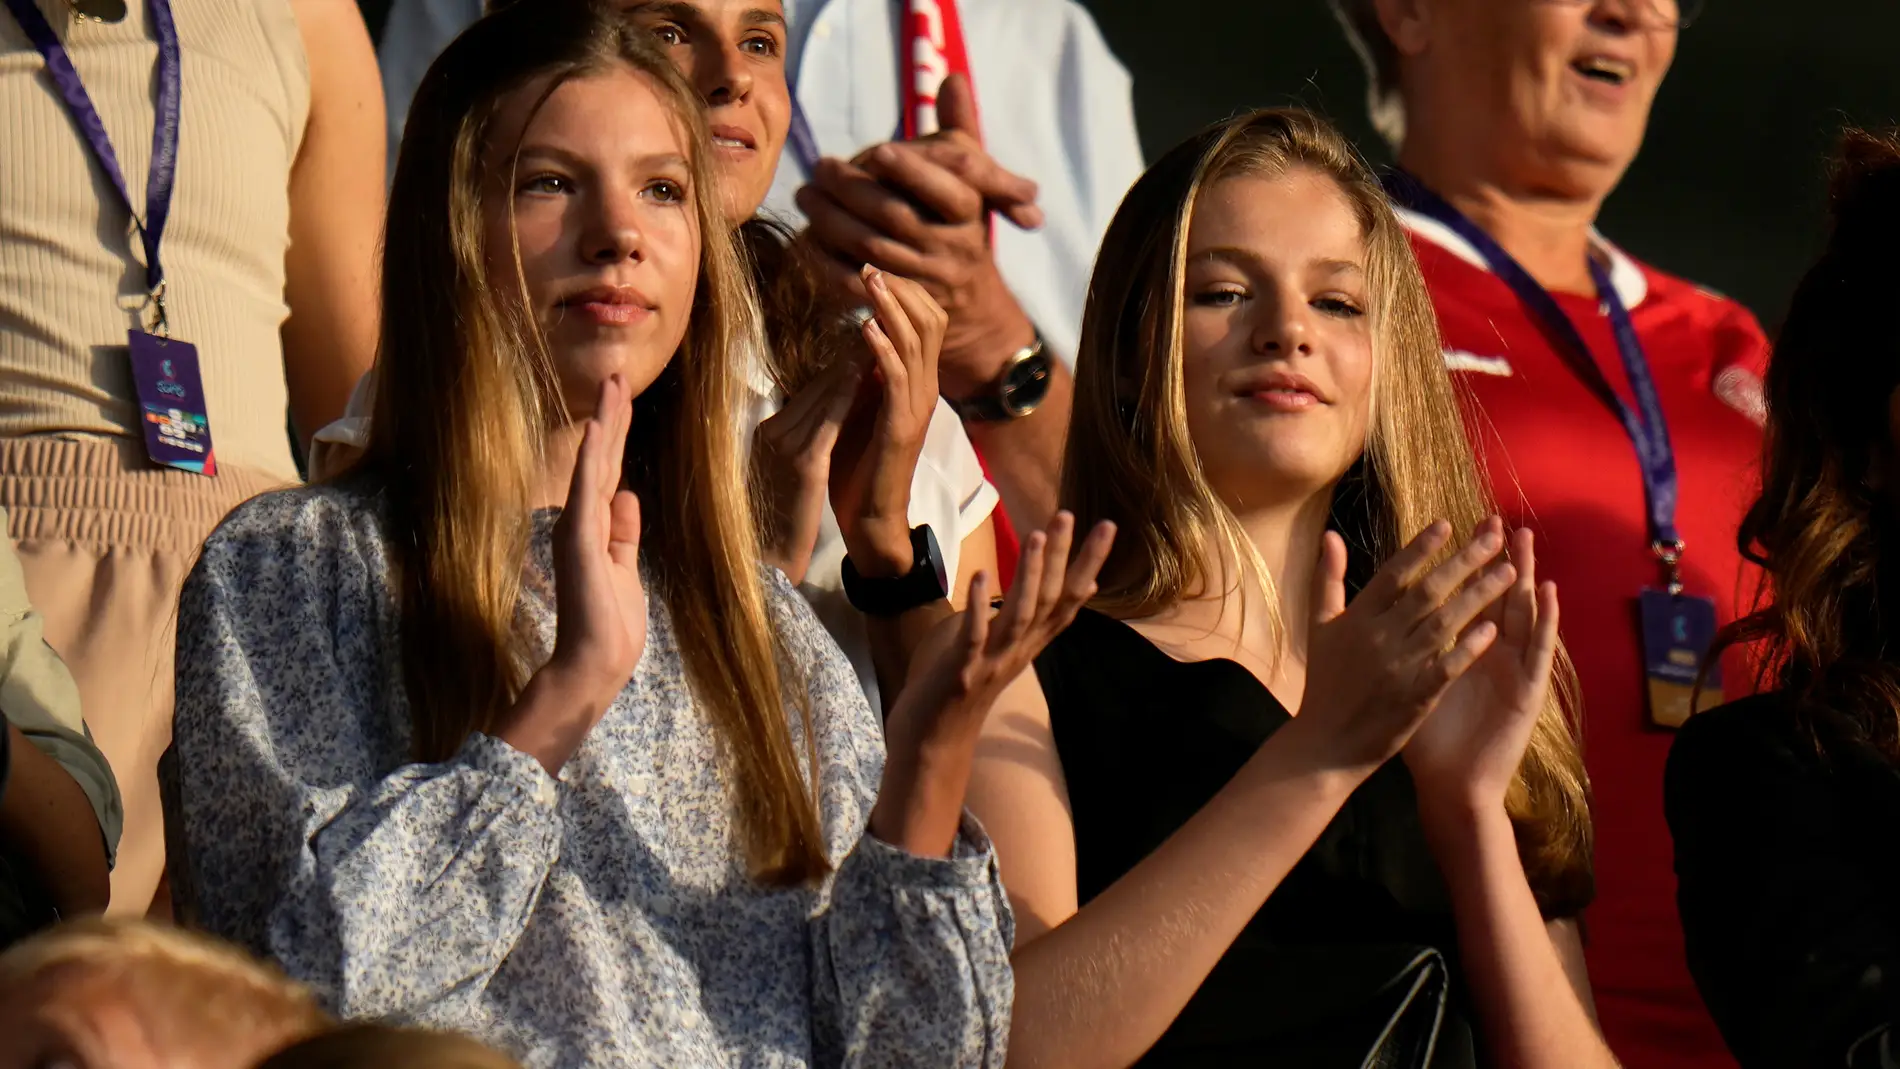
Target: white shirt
1055, 105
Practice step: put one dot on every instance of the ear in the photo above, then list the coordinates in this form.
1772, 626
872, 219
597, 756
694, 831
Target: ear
1407, 24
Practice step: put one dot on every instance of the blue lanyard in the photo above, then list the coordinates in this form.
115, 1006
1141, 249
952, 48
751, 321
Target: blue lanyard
164, 168
1645, 424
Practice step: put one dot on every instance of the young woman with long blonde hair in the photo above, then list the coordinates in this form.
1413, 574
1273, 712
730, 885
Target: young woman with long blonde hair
598, 789
1214, 855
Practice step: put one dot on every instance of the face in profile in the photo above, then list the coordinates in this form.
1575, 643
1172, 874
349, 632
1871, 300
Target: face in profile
602, 208
733, 51
1277, 361
1566, 79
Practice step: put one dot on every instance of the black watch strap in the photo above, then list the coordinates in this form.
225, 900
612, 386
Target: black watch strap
894, 596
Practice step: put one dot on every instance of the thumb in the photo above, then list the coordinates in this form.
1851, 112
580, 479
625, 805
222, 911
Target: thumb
625, 528
956, 106
1329, 579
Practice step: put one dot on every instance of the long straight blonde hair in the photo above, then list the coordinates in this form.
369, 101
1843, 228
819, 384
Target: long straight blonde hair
1130, 458
467, 393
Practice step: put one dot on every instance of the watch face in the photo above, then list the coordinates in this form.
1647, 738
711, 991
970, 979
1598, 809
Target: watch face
1025, 384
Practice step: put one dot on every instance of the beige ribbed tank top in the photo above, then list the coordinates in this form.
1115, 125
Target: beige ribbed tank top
71, 266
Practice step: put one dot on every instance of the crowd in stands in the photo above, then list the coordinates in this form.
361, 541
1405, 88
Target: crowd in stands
761, 533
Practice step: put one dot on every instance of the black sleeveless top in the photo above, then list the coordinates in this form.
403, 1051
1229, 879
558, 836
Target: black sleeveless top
1145, 741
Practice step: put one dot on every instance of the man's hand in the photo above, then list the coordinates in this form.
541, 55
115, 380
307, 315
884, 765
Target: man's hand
921, 209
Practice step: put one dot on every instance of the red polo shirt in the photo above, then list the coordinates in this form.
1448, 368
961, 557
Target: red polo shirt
1561, 463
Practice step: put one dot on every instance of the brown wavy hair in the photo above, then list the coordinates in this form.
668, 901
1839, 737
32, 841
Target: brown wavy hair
1824, 523
1130, 458
382, 1046
466, 393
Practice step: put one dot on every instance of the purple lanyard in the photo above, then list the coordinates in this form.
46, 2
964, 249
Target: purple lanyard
164, 168
1645, 425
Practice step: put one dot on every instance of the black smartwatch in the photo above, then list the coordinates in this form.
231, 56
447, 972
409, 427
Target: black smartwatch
1017, 392
924, 583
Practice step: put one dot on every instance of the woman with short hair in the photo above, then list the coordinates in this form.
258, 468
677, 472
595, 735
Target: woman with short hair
1617, 408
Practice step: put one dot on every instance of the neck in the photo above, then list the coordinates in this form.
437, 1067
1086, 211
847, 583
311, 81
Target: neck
1546, 230
559, 453
1287, 537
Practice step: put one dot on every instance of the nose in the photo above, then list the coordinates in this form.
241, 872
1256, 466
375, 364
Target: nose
725, 77
612, 232
1280, 327
1620, 17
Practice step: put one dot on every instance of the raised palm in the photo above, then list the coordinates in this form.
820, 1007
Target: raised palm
1475, 738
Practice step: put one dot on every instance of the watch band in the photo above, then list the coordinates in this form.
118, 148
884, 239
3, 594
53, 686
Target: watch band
927, 580
996, 404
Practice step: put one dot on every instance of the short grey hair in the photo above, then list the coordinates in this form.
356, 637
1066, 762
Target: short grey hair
1360, 20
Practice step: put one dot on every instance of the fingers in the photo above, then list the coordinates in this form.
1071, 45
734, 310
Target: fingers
1473, 601
1329, 579
850, 238
1543, 647
1078, 583
1470, 646
895, 321
976, 625
927, 318
1019, 609
1402, 569
619, 406
1519, 606
878, 202
1055, 568
1431, 592
889, 362
1088, 563
909, 166
580, 517
956, 106
624, 528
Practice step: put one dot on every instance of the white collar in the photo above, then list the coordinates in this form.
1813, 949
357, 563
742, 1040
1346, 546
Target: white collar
1625, 275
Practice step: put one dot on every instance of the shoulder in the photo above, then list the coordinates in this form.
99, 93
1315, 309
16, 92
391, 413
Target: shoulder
802, 636
285, 527
1736, 747
1733, 329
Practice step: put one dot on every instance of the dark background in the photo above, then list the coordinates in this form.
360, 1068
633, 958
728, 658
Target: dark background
1728, 191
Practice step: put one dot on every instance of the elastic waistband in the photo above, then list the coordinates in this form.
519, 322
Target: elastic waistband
106, 492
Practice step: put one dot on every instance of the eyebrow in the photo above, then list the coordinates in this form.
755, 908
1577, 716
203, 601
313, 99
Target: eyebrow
1247, 257
650, 161
683, 11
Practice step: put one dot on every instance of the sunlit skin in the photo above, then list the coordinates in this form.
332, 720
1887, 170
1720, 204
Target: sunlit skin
1277, 347
733, 51
609, 243
1525, 115
1554, 97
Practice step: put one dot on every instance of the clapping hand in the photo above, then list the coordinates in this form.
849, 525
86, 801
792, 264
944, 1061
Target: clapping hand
601, 607
791, 464
1467, 752
920, 209
884, 436
958, 672
1376, 669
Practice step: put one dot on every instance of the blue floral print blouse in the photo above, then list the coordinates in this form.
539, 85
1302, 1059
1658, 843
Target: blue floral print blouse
604, 918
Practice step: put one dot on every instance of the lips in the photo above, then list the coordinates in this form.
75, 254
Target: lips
733, 137
610, 305
1279, 390
1609, 70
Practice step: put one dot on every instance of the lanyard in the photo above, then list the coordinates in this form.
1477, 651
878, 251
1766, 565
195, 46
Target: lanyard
1644, 423
164, 166
930, 48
